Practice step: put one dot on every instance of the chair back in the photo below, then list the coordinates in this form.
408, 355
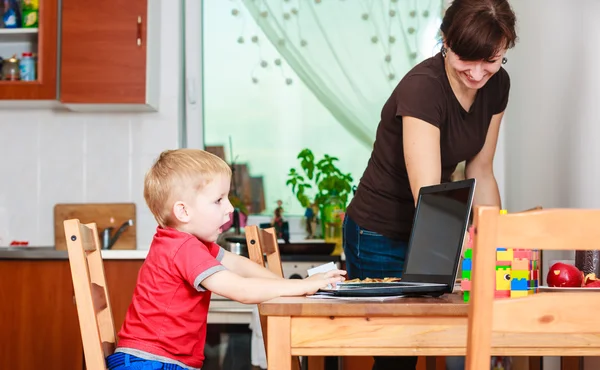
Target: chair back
261, 243
96, 321
546, 323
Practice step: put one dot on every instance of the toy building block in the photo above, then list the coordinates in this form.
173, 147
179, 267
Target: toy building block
502, 294
504, 255
522, 253
520, 264
518, 293
465, 285
503, 264
520, 274
518, 284
467, 265
466, 274
466, 296
469, 253
503, 278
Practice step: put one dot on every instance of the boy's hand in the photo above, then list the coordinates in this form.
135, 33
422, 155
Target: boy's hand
323, 280
314, 284
328, 275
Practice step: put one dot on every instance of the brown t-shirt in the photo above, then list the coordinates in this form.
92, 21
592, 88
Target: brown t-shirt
383, 202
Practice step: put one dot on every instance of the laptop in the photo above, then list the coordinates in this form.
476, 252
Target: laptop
434, 248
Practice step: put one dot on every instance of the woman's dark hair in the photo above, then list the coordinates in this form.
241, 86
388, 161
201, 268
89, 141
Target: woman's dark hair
479, 29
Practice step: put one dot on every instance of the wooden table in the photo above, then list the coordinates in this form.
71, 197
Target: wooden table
302, 326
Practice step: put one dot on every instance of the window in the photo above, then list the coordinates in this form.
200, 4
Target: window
283, 75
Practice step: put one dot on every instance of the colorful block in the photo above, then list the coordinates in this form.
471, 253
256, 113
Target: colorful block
469, 253
502, 294
520, 264
466, 296
522, 253
502, 278
465, 285
520, 274
518, 284
466, 274
518, 293
466, 265
506, 255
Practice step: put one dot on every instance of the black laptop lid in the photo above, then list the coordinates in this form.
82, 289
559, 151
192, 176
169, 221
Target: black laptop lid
439, 227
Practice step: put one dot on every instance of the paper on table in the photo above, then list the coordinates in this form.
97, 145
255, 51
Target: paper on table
322, 268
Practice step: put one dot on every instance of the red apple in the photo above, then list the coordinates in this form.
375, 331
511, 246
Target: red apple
564, 275
593, 284
591, 281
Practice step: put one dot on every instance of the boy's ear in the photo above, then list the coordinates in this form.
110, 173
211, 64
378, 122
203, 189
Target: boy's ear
180, 212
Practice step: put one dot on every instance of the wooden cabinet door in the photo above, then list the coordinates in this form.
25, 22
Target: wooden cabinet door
103, 48
39, 328
44, 88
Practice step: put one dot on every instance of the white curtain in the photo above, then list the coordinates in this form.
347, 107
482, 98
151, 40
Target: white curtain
350, 54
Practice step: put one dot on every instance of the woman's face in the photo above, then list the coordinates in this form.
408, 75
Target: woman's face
473, 74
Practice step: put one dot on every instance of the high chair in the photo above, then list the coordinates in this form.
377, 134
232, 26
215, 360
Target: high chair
263, 242
91, 295
542, 324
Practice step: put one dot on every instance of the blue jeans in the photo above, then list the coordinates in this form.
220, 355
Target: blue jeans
369, 254
125, 361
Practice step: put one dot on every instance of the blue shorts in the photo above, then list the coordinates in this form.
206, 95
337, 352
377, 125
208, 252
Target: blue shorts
125, 361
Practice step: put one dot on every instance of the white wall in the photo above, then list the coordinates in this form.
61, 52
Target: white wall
552, 123
49, 157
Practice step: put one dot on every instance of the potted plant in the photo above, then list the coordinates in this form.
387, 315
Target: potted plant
318, 181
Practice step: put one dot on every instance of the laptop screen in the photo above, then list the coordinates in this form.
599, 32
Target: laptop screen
439, 227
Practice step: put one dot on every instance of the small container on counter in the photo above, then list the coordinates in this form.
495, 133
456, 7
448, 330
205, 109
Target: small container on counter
27, 67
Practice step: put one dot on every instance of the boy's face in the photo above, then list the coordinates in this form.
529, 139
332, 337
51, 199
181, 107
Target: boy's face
209, 210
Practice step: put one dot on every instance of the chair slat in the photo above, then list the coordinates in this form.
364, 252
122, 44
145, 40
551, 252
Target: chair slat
550, 229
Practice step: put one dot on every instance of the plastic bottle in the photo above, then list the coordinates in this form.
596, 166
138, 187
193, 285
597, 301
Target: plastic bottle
27, 67
333, 214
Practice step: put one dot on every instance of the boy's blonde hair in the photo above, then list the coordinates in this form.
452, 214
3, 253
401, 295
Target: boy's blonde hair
178, 174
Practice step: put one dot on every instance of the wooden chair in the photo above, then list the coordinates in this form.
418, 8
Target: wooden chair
91, 296
261, 243
544, 323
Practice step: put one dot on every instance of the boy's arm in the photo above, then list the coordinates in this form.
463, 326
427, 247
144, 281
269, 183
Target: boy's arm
246, 267
252, 290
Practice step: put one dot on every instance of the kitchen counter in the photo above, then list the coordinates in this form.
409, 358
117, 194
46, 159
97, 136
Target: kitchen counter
49, 253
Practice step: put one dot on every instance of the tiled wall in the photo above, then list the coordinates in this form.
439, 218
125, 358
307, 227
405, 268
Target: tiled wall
57, 156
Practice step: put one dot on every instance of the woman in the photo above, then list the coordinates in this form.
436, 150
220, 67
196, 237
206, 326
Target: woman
446, 110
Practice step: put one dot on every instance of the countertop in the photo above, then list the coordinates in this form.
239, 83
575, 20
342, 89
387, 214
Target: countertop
49, 253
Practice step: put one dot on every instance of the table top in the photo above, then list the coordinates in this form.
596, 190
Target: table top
446, 305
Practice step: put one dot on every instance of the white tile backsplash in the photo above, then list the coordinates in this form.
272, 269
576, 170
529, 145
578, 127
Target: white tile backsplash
57, 156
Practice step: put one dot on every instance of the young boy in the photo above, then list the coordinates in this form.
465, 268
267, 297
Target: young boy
165, 326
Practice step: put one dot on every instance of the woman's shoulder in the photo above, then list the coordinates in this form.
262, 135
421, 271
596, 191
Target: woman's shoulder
428, 75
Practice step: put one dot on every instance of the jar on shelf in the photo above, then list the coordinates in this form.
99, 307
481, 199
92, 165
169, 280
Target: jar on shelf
10, 69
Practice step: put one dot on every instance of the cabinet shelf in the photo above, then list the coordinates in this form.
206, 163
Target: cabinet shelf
18, 34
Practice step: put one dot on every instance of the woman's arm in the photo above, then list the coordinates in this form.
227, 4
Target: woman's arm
481, 167
246, 267
422, 155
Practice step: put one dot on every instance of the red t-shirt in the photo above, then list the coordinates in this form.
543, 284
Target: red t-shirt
166, 320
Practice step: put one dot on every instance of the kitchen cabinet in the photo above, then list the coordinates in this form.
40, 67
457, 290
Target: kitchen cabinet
40, 329
110, 54
41, 41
